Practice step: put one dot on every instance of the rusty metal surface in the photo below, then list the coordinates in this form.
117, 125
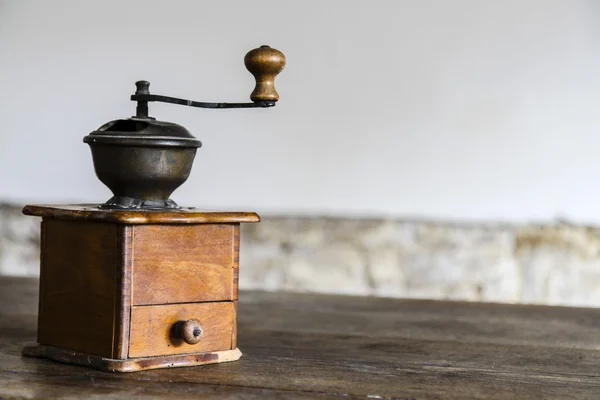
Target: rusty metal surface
142, 160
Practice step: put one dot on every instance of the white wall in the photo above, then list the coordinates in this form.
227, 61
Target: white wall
461, 109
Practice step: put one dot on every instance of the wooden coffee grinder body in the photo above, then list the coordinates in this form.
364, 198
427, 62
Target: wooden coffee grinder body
127, 291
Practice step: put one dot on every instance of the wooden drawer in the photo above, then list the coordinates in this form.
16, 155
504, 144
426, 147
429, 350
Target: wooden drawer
184, 263
153, 328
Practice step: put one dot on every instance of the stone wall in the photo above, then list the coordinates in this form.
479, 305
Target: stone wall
547, 264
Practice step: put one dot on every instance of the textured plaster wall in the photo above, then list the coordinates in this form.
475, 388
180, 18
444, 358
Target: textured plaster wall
546, 264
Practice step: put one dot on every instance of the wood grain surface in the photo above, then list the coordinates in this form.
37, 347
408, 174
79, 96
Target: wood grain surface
79, 284
182, 263
234, 325
123, 291
236, 261
152, 328
131, 364
336, 347
180, 216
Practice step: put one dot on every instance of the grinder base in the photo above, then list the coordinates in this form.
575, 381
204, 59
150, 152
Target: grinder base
137, 289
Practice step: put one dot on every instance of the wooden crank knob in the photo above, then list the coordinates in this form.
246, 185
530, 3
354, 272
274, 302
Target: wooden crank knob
191, 331
264, 63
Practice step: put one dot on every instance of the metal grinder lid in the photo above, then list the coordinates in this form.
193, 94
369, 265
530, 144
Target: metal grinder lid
144, 132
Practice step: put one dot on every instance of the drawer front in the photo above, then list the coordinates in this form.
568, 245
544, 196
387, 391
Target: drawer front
157, 330
183, 263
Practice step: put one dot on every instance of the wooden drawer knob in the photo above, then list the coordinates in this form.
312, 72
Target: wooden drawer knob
191, 331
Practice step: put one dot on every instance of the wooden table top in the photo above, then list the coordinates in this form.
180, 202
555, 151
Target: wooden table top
320, 346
